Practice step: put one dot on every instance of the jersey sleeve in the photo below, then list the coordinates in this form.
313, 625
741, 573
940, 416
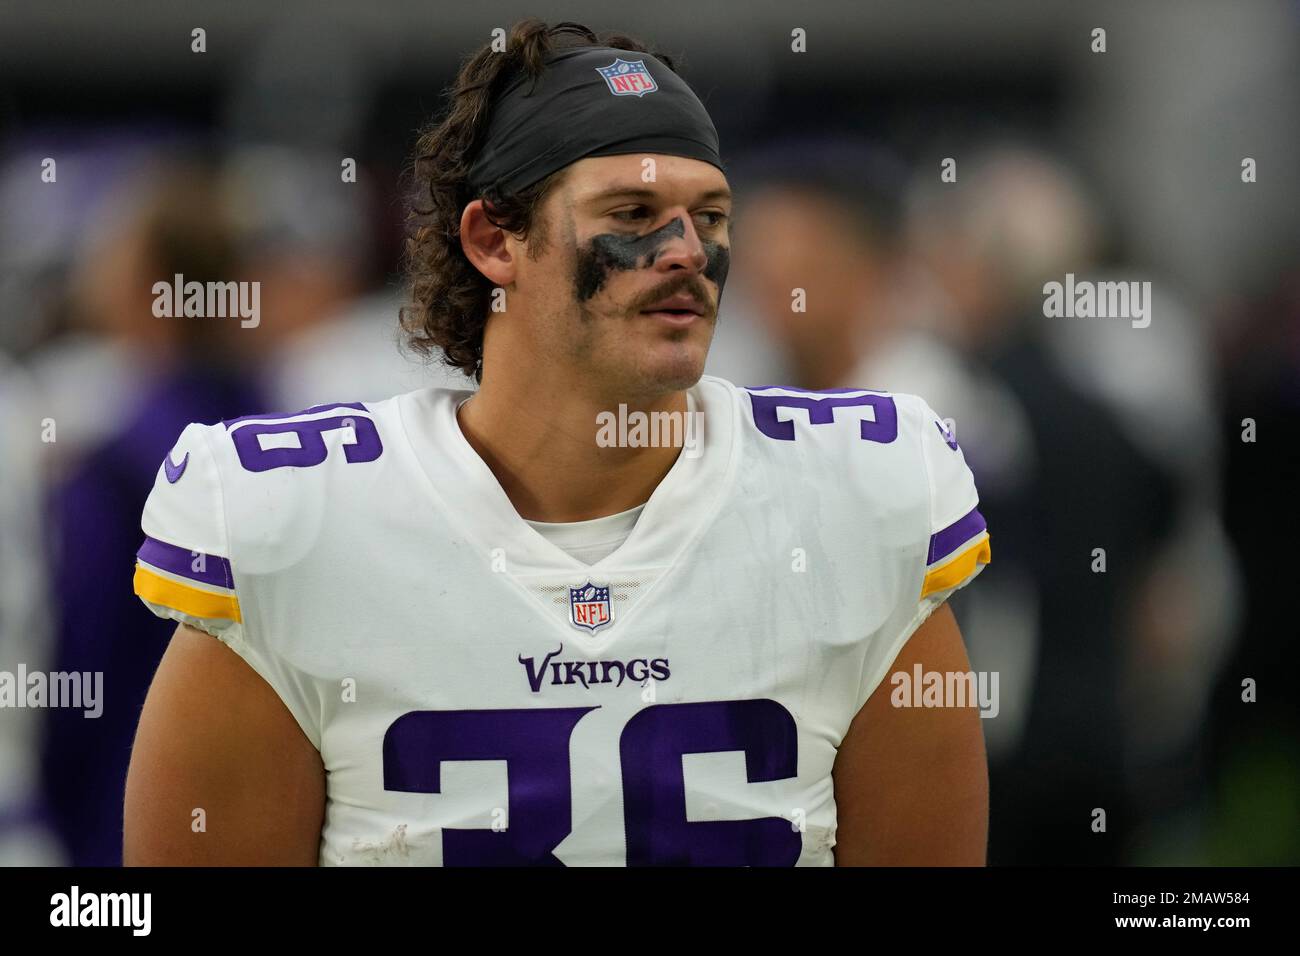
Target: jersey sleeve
182, 569
958, 548
954, 550
188, 570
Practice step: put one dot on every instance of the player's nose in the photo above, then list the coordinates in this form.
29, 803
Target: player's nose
682, 252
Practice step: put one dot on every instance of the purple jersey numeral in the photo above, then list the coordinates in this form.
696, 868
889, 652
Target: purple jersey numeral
311, 448
535, 746
534, 743
883, 428
654, 786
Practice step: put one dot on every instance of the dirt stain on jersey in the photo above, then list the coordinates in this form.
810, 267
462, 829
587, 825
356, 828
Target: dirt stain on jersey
394, 847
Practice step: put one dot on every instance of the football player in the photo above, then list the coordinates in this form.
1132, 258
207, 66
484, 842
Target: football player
507, 625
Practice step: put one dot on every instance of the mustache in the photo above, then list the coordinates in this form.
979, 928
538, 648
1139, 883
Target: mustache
690, 284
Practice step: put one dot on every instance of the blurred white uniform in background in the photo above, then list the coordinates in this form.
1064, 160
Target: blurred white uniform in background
24, 636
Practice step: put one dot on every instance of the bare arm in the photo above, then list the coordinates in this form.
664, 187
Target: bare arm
214, 736
911, 783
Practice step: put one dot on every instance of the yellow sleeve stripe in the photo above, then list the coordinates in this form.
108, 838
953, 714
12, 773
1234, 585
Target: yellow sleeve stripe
184, 597
958, 569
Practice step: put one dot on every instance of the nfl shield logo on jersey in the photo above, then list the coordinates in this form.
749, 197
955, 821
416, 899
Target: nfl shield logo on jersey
628, 77
589, 607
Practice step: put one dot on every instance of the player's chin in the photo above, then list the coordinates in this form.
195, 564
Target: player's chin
676, 363
666, 355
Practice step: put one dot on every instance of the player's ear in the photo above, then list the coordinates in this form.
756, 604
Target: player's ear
486, 246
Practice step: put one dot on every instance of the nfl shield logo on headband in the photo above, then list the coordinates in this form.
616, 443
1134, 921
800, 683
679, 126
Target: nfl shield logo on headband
589, 607
628, 78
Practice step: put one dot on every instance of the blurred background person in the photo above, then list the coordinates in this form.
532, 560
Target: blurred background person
1102, 494
26, 837
817, 253
309, 238
47, 234
169, 219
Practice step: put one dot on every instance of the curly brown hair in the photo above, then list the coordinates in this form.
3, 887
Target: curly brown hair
450, 298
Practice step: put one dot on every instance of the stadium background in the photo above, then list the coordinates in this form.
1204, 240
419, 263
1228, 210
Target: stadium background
1120, 689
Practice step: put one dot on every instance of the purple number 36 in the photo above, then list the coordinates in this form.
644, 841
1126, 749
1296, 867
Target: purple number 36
534, 743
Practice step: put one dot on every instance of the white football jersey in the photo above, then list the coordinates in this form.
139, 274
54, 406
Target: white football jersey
479, 696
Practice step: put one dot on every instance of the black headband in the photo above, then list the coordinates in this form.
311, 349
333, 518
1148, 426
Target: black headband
590, 101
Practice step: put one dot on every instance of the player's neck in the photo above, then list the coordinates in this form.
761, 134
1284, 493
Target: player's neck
544, 445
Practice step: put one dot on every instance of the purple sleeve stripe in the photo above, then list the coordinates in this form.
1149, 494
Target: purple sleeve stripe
945, 542
211, 569
276, 416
